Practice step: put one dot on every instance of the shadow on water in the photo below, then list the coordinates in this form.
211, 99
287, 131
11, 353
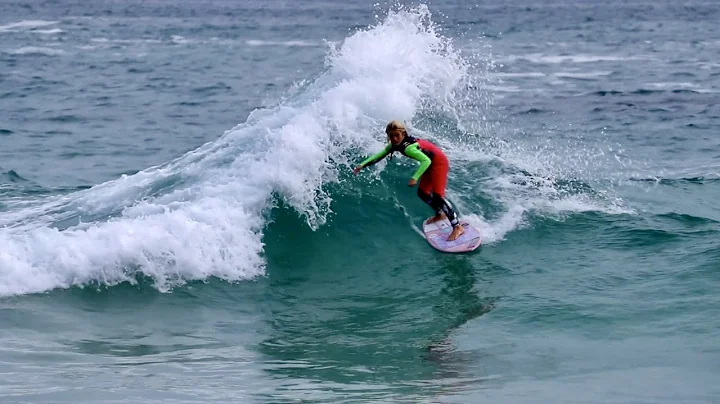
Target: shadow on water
459, 302
350, 309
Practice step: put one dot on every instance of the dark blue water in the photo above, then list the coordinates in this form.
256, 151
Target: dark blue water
178, 220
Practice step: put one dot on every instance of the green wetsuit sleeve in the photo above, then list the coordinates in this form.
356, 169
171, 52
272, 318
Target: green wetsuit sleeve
377, 156
414, 152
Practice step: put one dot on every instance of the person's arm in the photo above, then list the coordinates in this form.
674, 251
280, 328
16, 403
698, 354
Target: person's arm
413, 151
376, 157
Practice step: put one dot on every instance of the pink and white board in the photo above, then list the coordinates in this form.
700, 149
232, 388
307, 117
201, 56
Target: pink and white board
438, 232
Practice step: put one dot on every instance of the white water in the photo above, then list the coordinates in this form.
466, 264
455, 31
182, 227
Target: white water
211, 222
203, 214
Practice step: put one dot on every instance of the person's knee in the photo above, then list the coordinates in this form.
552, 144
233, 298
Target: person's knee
437, 202
423, 195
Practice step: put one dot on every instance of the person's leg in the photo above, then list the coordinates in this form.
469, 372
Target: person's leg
425, 194
442, 205
439, 202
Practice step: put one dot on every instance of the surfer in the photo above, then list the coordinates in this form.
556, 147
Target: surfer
432, 172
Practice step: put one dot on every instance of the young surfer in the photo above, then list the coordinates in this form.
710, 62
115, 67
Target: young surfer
432, 172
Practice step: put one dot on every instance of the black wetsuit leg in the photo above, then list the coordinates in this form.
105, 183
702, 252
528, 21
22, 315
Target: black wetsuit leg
439, 204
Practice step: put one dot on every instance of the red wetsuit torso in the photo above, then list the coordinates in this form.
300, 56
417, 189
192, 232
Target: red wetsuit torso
434, 180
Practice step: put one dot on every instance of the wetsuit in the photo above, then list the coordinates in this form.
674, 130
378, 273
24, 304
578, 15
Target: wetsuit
432, 173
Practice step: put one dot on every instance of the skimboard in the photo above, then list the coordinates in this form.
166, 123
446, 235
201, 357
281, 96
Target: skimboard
438, 232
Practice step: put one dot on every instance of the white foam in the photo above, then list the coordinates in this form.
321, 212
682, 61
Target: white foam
504, 89
525, 180
36, 50
292, 43
126, 41
563, 59
210, 219
211, 223
682, 85
673, 84
543, 198
495, 230
49, 31
582, 75
26, 25
179, 39
519, 75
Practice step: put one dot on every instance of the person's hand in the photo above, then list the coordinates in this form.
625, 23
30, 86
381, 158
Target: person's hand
357, 170
412, 182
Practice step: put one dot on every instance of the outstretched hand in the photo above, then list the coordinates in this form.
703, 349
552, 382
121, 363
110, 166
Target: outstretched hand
412, 182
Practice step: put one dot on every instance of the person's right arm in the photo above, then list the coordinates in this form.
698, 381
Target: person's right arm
374, 158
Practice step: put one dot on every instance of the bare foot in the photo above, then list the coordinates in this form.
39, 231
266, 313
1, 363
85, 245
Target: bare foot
457, 232
437, 218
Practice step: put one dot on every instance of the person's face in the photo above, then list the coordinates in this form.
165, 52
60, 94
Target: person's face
396, 136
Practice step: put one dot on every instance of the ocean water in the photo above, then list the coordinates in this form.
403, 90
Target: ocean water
179, 222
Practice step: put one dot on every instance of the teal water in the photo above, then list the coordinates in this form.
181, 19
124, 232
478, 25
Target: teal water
178, 220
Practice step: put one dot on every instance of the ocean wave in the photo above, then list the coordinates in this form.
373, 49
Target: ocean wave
205, 213
202, 215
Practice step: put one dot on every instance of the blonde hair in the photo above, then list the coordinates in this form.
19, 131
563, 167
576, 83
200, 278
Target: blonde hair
393, 125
